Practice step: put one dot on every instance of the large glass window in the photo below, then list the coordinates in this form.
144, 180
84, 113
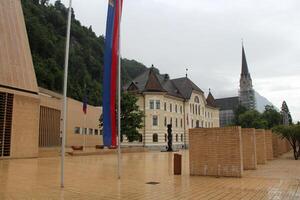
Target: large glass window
176, 123
155, 137
158, 104
170, 107
96, 131
176, 108
165, 106
90, 131
180, 109
77, 130
151, 104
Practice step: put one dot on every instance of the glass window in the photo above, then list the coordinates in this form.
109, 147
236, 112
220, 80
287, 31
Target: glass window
141, 138
181, 138
199, 110
165, 123
154, 120
180, 109
176, 123
90, 131
151, 104
101, 132
96, 132
181, 123
193, 109
196, 99
176, 108
170, 107
84, 131
158, 104
77, 130
155, 137
176, 137
165, 106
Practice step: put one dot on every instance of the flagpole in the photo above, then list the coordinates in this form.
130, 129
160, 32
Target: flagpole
85, 131
63, 142
119, 93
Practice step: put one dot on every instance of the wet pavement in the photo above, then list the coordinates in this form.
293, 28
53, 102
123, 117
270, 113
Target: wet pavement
95, 177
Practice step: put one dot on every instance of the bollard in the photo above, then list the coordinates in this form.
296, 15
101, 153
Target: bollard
177, 164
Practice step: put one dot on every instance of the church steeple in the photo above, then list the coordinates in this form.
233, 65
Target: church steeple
246, 93
245, 70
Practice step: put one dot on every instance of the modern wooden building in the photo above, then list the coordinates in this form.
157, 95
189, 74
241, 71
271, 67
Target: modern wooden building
30, 117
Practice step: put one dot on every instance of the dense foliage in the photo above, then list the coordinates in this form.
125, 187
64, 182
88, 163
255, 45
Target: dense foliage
254, 119
292, 134
46, 27
131, 118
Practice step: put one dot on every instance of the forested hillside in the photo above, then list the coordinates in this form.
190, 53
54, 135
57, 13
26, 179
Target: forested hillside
46, 27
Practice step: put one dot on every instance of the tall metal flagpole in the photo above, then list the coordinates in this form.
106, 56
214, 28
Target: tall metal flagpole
119, 93
63, 142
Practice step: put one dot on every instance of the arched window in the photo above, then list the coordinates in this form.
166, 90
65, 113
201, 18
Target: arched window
196, 99
176, 137
166, 136
199, 109
165, 121
176, 123
181, 138
155, 137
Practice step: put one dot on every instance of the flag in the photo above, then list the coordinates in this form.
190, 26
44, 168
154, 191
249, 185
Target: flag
111, 59
84, 104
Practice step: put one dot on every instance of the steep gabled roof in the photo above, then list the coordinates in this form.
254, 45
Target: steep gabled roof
186, 87
229, 103
153, 84
211, 100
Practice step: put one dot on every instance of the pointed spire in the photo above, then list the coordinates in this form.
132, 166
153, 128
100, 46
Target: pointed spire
245, 70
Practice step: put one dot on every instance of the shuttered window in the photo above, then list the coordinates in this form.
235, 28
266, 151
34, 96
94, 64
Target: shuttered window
6, 110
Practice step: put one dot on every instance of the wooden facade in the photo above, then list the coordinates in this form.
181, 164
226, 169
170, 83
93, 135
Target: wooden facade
49, 127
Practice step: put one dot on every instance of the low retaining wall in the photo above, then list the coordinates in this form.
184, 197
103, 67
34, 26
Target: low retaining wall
249, 148
216, 151
269, 144
261, 153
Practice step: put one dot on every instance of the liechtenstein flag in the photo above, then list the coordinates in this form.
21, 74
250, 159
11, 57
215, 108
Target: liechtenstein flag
111, 59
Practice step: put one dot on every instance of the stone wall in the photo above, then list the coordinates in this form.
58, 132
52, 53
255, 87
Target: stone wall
261, 153
216, 151
249, 148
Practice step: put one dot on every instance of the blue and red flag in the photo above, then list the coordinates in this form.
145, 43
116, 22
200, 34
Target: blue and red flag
111, 59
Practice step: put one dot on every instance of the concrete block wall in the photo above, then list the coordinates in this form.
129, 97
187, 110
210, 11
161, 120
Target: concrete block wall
249, 148
269, 144
216, 151
261, 153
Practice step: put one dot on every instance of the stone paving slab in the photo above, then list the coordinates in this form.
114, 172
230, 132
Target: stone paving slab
94, 177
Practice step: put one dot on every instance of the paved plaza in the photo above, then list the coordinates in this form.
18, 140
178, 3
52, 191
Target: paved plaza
94, 177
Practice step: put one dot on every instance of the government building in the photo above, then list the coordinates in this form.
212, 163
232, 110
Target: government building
178, 102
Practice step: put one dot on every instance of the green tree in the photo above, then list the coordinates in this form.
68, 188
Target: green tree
286, 115
271, 116
237, 112
292, 134
252, 119
131, 117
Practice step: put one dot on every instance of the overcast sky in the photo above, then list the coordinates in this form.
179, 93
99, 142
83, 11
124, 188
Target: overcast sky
205, 37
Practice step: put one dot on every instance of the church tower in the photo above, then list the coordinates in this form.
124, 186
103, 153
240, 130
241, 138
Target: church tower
246, 92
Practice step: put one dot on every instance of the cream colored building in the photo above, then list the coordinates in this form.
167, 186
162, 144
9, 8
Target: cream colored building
178, 102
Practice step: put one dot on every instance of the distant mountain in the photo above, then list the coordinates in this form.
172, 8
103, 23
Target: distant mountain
261, 102
46, 28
